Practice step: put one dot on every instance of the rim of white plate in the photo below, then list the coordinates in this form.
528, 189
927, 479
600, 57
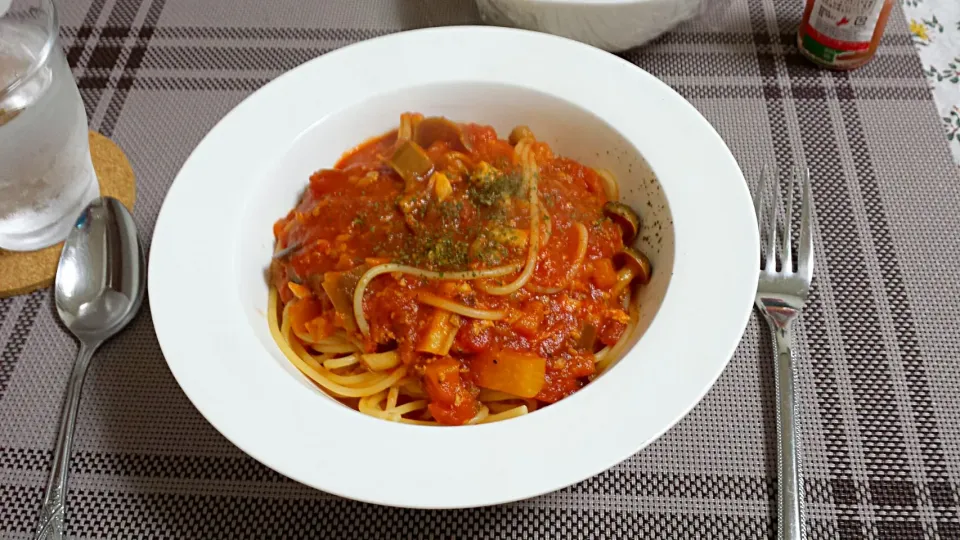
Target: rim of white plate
269, 415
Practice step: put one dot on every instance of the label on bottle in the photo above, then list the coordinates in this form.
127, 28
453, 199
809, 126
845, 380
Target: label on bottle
844, 25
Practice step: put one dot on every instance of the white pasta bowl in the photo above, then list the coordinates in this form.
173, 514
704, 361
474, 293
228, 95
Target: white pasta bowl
699, 231
612, 25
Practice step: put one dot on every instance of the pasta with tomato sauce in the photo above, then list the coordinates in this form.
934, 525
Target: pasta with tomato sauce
438, 274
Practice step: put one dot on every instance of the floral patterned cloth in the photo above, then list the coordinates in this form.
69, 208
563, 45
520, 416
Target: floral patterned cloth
935, 25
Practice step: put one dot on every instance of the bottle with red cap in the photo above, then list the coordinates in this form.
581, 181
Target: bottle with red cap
842, 34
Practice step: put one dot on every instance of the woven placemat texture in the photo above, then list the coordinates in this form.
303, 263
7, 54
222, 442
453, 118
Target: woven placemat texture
879, 344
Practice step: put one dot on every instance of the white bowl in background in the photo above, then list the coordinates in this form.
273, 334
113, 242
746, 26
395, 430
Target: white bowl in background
612, 25
213, 240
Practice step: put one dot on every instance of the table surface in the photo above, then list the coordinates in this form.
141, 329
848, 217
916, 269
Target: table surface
879, 368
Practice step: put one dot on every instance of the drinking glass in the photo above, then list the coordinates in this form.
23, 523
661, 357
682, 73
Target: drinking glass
46, 175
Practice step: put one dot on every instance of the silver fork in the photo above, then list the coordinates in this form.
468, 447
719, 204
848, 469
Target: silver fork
780, 297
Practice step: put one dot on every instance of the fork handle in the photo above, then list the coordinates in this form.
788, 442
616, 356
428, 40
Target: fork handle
789, 478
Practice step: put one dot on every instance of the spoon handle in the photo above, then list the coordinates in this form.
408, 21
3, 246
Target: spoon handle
50, 526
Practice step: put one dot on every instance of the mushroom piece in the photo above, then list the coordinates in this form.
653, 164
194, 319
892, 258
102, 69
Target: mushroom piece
411, 162
588, 337
520, 133
339, 287
436, 128
625, 218
633, 266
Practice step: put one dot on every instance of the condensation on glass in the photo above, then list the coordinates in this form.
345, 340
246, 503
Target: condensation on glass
46, 175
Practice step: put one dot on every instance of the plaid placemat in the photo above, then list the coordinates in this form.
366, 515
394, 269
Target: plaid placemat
879, 341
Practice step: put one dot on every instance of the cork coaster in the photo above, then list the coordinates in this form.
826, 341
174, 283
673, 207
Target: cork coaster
22, 272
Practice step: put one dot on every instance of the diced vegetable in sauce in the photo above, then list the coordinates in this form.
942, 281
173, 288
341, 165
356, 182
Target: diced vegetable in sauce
520, 374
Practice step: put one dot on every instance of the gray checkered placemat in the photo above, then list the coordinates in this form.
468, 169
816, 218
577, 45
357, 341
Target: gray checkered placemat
879, 360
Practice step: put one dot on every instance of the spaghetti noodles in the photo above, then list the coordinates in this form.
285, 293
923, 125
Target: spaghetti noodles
441, 275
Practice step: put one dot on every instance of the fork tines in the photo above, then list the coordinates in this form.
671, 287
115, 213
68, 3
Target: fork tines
768, 203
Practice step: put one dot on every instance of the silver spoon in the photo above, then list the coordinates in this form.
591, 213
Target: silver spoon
99, 288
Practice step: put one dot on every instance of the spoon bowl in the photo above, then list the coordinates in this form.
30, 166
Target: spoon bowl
101, 275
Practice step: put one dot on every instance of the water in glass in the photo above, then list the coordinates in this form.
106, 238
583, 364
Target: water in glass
46, 175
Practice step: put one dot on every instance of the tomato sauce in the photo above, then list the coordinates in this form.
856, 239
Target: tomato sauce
362, 213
